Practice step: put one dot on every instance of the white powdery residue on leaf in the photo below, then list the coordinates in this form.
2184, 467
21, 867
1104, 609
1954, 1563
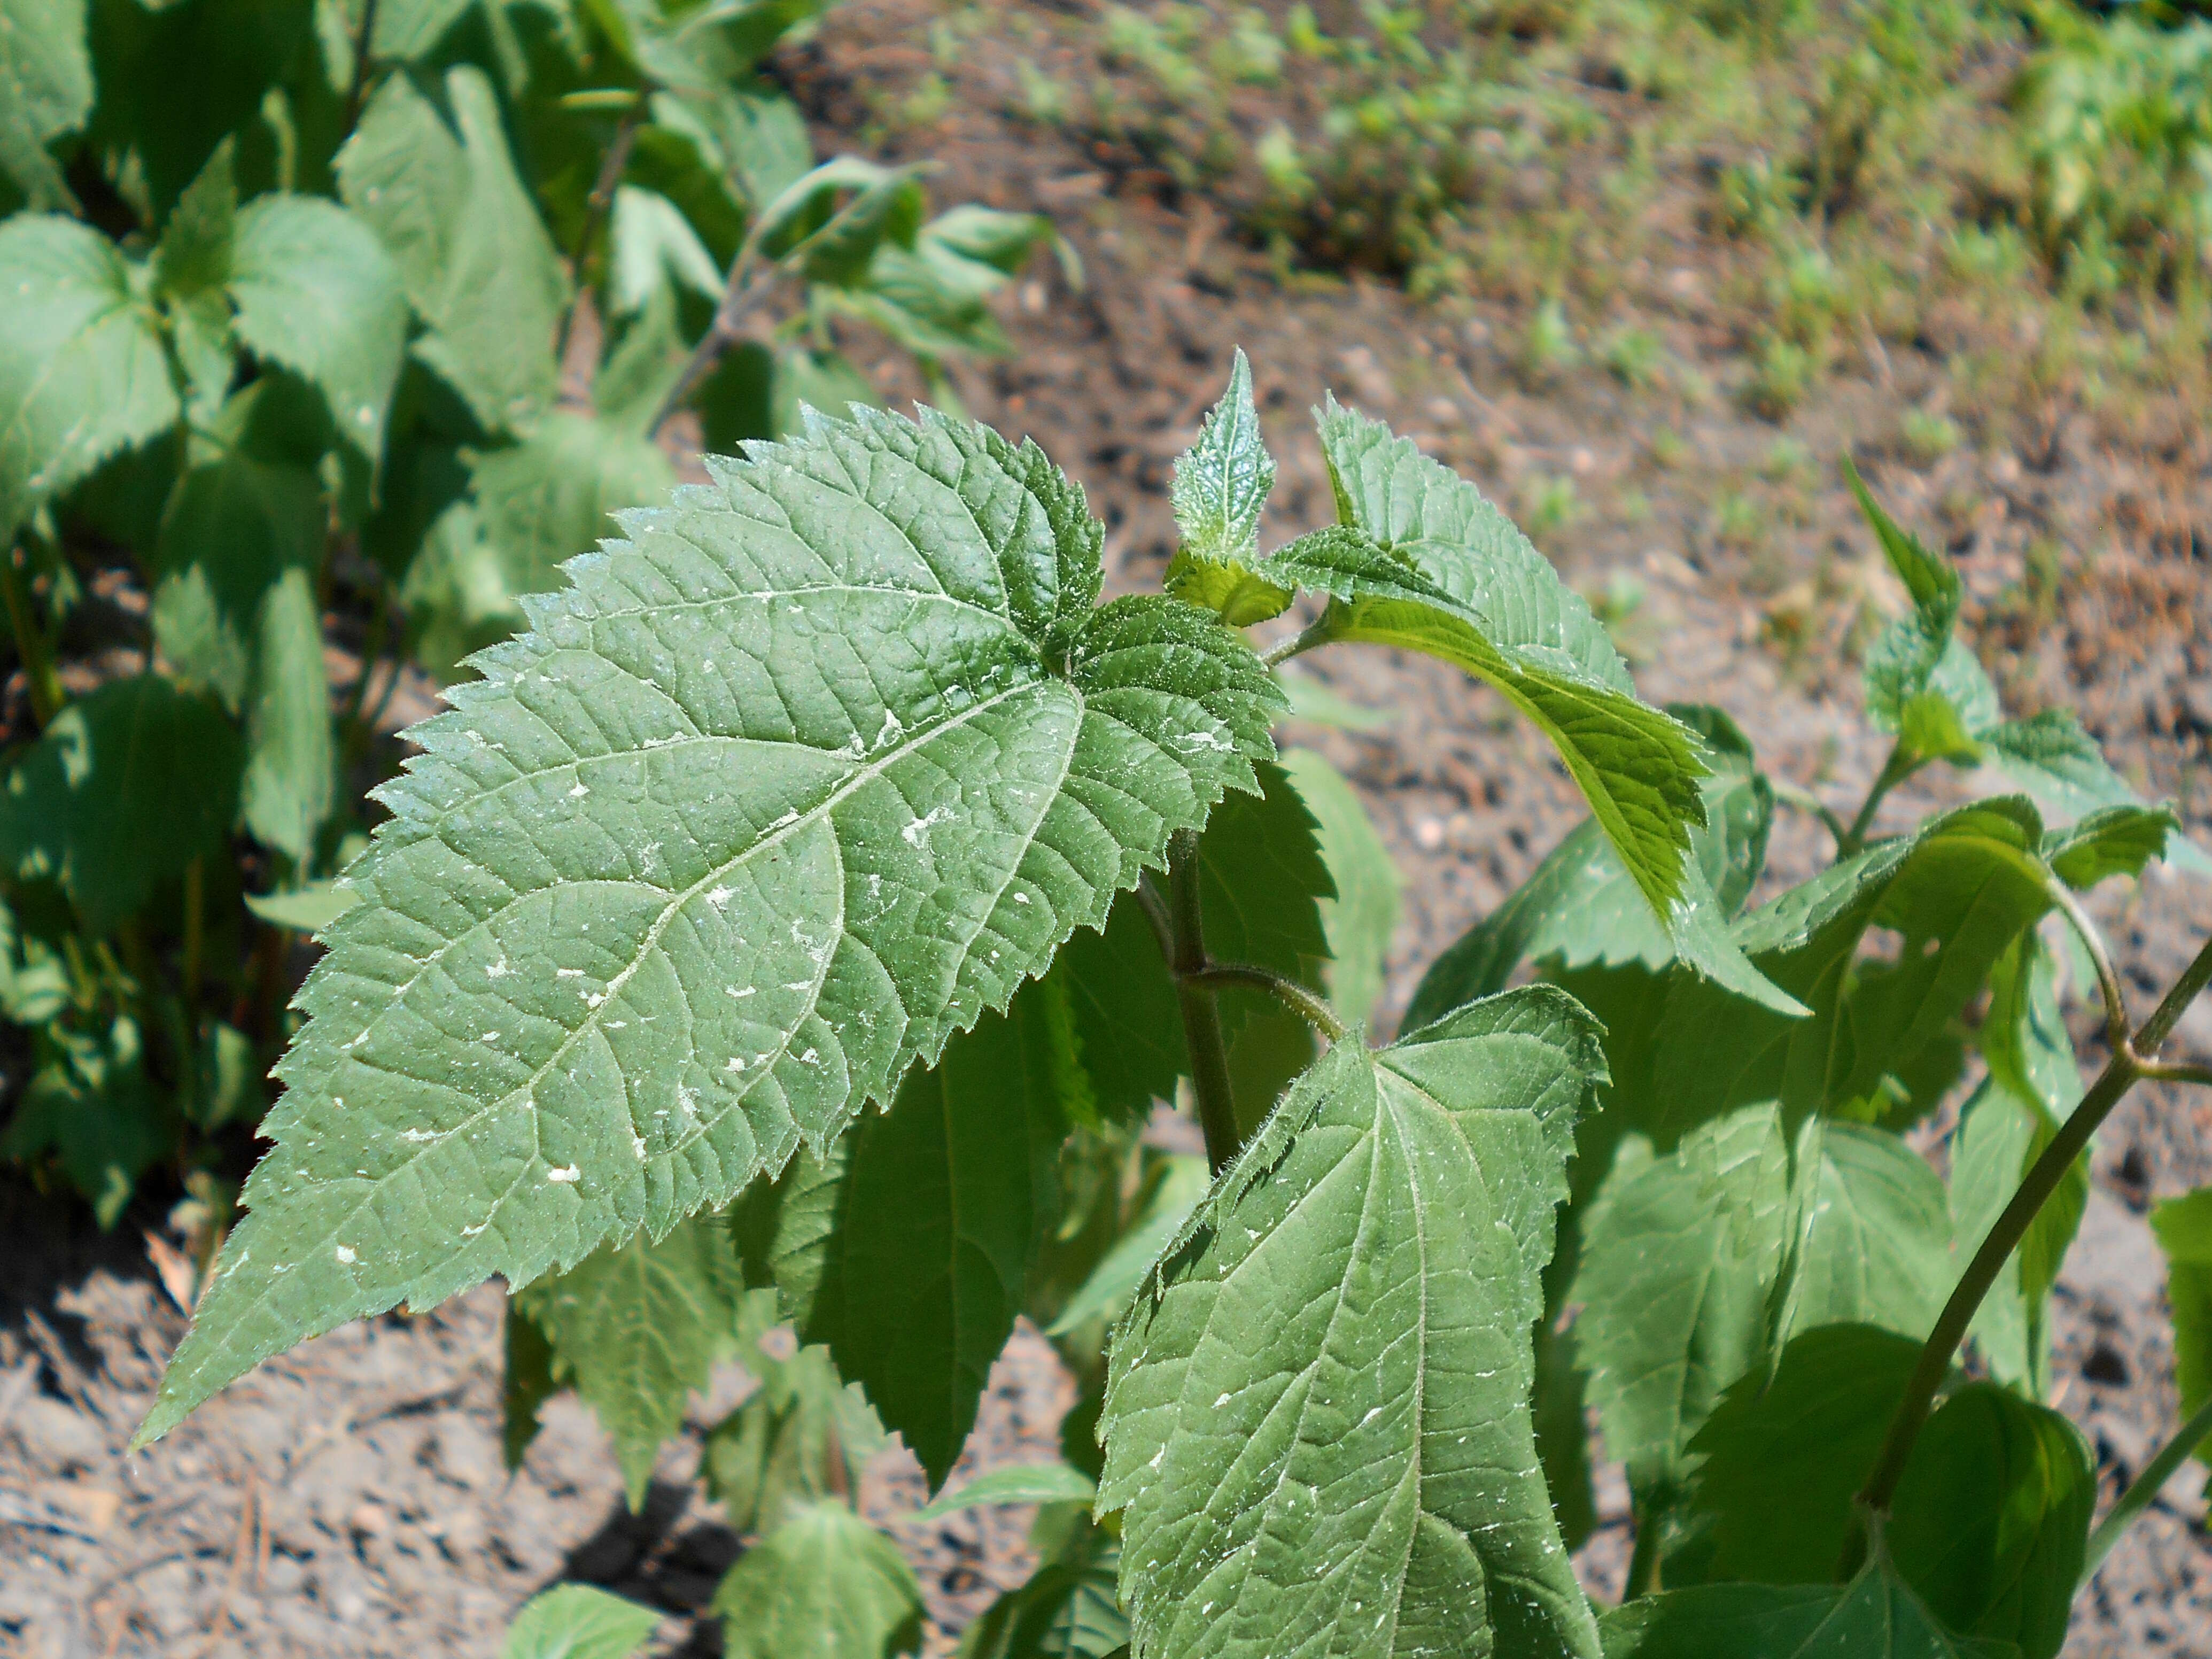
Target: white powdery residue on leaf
571, 1174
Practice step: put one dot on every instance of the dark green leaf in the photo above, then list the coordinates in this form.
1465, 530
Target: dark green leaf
634, 1326
92, 1106
2183, 1228
1128, 1024
767, 806
129, 785
1066, 1610
1875, 1616
1361, 918
528, 1383
913, 1268
471, 252
83, 373
46, 90
1317, 1424
824, 1582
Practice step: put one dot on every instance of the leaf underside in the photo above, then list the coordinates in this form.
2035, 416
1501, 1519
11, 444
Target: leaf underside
813, 772
1317, 1422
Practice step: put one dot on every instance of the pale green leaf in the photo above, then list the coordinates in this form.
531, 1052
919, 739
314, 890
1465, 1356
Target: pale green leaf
826, 1583
316, 292
1929, 578
2112, 841
83, 373
554, 496
1875, 1616
1361, 918
806, 777
805, 1435
913, 1267
1220, 485
635, 1326
651, 245
1579, 908
2184, 1228
46, 90
471, 251
1317, 1425
1022, 1483
1678, 1258
308, 910
2050, 756
127, 785
577, 1621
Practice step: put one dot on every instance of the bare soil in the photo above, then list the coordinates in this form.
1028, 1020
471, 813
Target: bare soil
349, 1498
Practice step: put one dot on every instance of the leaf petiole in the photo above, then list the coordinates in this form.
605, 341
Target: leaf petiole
1292, 995
1900, 765
1202, 1015
1314, 633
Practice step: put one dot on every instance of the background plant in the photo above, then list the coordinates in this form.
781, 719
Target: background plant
333, 328
873, 804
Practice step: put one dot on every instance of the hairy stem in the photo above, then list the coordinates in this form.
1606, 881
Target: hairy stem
1313, 634
2132, 1060
1220, 976
1202, 1015
1899, 766
32, 645
2144, 1487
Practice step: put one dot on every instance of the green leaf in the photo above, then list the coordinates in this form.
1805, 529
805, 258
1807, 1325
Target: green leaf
913, 1268
2184, 1228
545, 500
472, 253
577, 1621
1360, 919
1220, 485
92, 1105
2112, 841
1580, 909
46, 90
308, 910
2034, 1084
1638, 767
316, 292
1992, 1518
1875, 1616
1022, 1483
235, 609
1929, 578
1781, 1458
805, 1435
1872, 1242
1123, 1267
128, 785
1066, 1610
193, 256
1129, 1027
1316, 1423
825, 1581
776, 799
635, 1326
828, 225
83, 373
2050, 756
653, 245
527, 1383
1679, 1259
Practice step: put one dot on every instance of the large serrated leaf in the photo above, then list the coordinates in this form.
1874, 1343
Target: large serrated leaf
635, 1326
824, 1583
83, 373
1875, 1616
909, 1255
1317, 1424
1873, 1233
813, 771
470, 248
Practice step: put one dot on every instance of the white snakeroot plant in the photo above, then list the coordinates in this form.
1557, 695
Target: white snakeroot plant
797, 923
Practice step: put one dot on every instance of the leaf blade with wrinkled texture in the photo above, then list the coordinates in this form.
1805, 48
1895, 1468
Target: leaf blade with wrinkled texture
828, 760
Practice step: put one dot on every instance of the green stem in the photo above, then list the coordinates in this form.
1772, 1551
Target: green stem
1899, 766
1222, 975
1201, 1016
2144, 1487
596, 207
1313, 634
2131, 1061
1643, 1561
1805, 800
31, 643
